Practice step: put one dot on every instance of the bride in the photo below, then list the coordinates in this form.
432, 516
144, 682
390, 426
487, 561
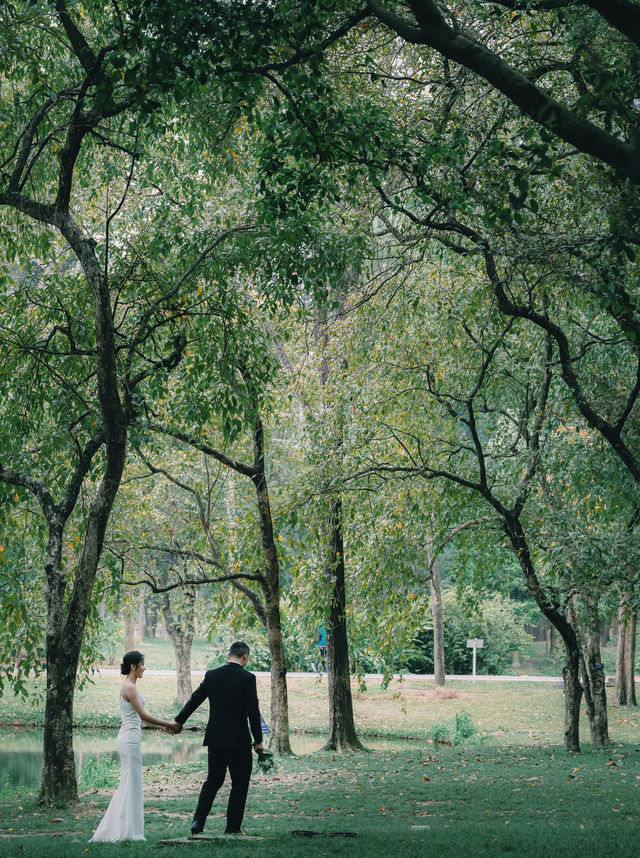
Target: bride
124, 819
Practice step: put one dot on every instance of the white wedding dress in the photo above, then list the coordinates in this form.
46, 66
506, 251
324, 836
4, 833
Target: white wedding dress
124, 819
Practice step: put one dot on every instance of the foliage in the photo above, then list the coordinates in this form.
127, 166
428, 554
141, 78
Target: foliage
99, 773
457, 733
495, 619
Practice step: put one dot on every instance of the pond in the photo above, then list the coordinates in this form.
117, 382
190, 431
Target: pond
21, 750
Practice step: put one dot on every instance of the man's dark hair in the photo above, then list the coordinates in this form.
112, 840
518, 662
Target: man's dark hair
238, 649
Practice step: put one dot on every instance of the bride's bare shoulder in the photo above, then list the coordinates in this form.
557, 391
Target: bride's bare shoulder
128, 691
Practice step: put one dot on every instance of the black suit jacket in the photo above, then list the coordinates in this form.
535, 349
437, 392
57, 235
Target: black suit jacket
233, 699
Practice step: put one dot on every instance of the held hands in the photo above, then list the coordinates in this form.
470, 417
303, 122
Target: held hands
173, 729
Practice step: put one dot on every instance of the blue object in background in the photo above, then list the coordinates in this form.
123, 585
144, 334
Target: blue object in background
265, 726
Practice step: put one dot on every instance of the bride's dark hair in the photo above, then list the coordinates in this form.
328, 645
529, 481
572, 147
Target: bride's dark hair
129, 660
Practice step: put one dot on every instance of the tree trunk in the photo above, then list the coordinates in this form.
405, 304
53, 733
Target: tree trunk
181, 633
622, 685
630, 659
66, 620
151, 615
279, 739
342, 729
594, 679
572, 698
626, 653
571, 669
129, 619
182, 649
67, 615
141, 618
58, 762
438, 623
58, 765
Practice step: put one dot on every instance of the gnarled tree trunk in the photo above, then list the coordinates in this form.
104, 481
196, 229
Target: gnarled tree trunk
592, 674
598, 718
279, 739
571, 669
342, 729
66, 616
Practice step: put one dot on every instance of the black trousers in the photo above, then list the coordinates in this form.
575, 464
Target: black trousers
239, 761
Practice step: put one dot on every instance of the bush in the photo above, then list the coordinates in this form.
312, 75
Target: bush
99, 773
457, 733
462, 728
495, 620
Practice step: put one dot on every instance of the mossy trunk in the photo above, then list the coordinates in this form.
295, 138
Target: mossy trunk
279, 740
342, 729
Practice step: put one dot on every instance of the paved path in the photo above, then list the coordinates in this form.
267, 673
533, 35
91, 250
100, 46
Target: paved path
427, 676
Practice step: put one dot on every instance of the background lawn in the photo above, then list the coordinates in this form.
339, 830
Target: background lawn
508, 789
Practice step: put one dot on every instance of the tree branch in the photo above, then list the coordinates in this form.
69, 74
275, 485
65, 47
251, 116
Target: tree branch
197, 444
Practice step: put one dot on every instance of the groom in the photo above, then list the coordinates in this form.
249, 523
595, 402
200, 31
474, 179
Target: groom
232, 700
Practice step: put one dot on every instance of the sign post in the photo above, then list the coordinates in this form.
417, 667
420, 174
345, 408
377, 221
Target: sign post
475, 644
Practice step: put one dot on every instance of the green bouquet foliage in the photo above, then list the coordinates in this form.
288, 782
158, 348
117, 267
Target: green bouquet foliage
266, 761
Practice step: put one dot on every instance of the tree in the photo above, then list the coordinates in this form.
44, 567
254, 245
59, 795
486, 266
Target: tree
267, 603
74, 135
487, 435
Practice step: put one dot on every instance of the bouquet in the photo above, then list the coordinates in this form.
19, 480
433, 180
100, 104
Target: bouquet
266, 761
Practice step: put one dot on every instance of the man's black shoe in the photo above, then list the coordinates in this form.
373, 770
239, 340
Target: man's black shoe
196, 827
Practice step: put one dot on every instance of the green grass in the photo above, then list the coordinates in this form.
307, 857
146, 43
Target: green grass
502, 712
475, 801
508, 784
534, 659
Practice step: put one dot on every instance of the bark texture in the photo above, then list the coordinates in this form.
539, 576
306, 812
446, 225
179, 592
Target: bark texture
592, 675
625, 654
279, 738
181, 631
342, 730
438, 621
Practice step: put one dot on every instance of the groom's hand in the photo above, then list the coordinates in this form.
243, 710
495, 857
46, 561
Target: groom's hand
176, 728
258, 748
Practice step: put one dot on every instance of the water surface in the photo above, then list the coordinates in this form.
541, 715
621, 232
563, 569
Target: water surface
21, 750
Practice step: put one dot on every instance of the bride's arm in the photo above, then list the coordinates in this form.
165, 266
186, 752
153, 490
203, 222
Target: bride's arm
132, 696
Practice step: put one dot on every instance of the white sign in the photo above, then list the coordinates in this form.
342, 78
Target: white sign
475, 644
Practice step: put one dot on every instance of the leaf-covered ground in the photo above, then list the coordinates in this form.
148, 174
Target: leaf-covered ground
445, 801
510, 790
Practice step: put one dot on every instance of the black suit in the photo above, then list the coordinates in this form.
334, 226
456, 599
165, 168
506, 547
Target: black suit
233, 701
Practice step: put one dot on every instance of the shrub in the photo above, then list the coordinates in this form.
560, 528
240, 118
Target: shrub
462, 728
99, 773
495, 620
456, 733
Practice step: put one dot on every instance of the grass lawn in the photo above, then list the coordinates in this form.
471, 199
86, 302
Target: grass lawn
510, 789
